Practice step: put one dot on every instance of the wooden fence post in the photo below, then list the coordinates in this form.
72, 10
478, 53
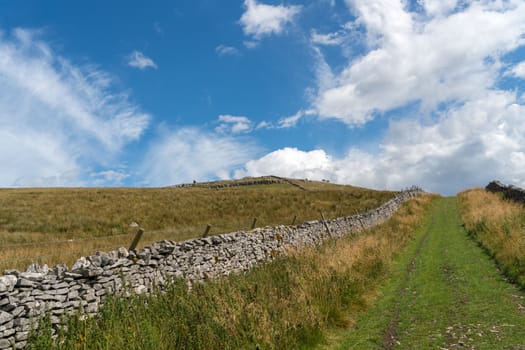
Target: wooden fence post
294, 218
136, 239
206, 231
325, 224
359, 219
253, 223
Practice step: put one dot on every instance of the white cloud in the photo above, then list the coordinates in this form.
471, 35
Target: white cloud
57, 117
466, 146
138, 60
108, 177
329, 39
264, 125
290, 162
251, 44
438, 7
518, 70
190, 154
223, 50
286, 122
261, 20
292, 121
233, 124
419, 59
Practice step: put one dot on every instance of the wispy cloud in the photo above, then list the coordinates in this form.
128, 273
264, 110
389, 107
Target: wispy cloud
57, 117
190, 154
108, 177
158, 29
329, 39
233, 124
223, 50
138, 60
286, 122
260, 20
292, 121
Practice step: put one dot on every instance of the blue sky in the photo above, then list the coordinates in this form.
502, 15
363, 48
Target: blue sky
377, 93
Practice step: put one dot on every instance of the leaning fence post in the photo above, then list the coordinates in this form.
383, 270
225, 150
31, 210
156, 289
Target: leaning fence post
358, 217
136, 239
206, 231
293, 221
325, 224
253, 223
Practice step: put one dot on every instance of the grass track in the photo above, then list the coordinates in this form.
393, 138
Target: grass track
444, 293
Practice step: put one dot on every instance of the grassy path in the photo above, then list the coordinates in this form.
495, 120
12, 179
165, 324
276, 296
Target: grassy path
445, 293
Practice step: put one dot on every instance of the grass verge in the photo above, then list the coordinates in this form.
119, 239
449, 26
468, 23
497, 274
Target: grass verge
443, 293
286, 304
498, 225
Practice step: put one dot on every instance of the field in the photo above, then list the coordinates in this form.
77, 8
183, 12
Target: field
436, 275
289, 303
58, 225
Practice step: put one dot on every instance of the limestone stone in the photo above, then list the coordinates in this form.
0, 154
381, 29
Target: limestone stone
25, 283
5, 317
5, 343
8, 283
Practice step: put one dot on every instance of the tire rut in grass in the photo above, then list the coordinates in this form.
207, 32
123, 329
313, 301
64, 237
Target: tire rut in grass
391, 337
455, 298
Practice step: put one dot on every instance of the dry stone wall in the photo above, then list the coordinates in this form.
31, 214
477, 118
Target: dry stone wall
26, 296
510, 192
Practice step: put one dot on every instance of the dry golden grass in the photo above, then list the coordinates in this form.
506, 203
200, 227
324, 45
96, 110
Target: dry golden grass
360, 256
499, 225
80, 221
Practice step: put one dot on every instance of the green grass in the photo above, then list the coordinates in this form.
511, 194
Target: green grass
286, 304
444, 293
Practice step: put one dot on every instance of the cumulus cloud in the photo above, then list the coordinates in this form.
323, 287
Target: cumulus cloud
430, 59
465, 146
438, 7
223, 50
233, 124
290, 162
190, 154
261, 20
466, 130
138, 60
57, 117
